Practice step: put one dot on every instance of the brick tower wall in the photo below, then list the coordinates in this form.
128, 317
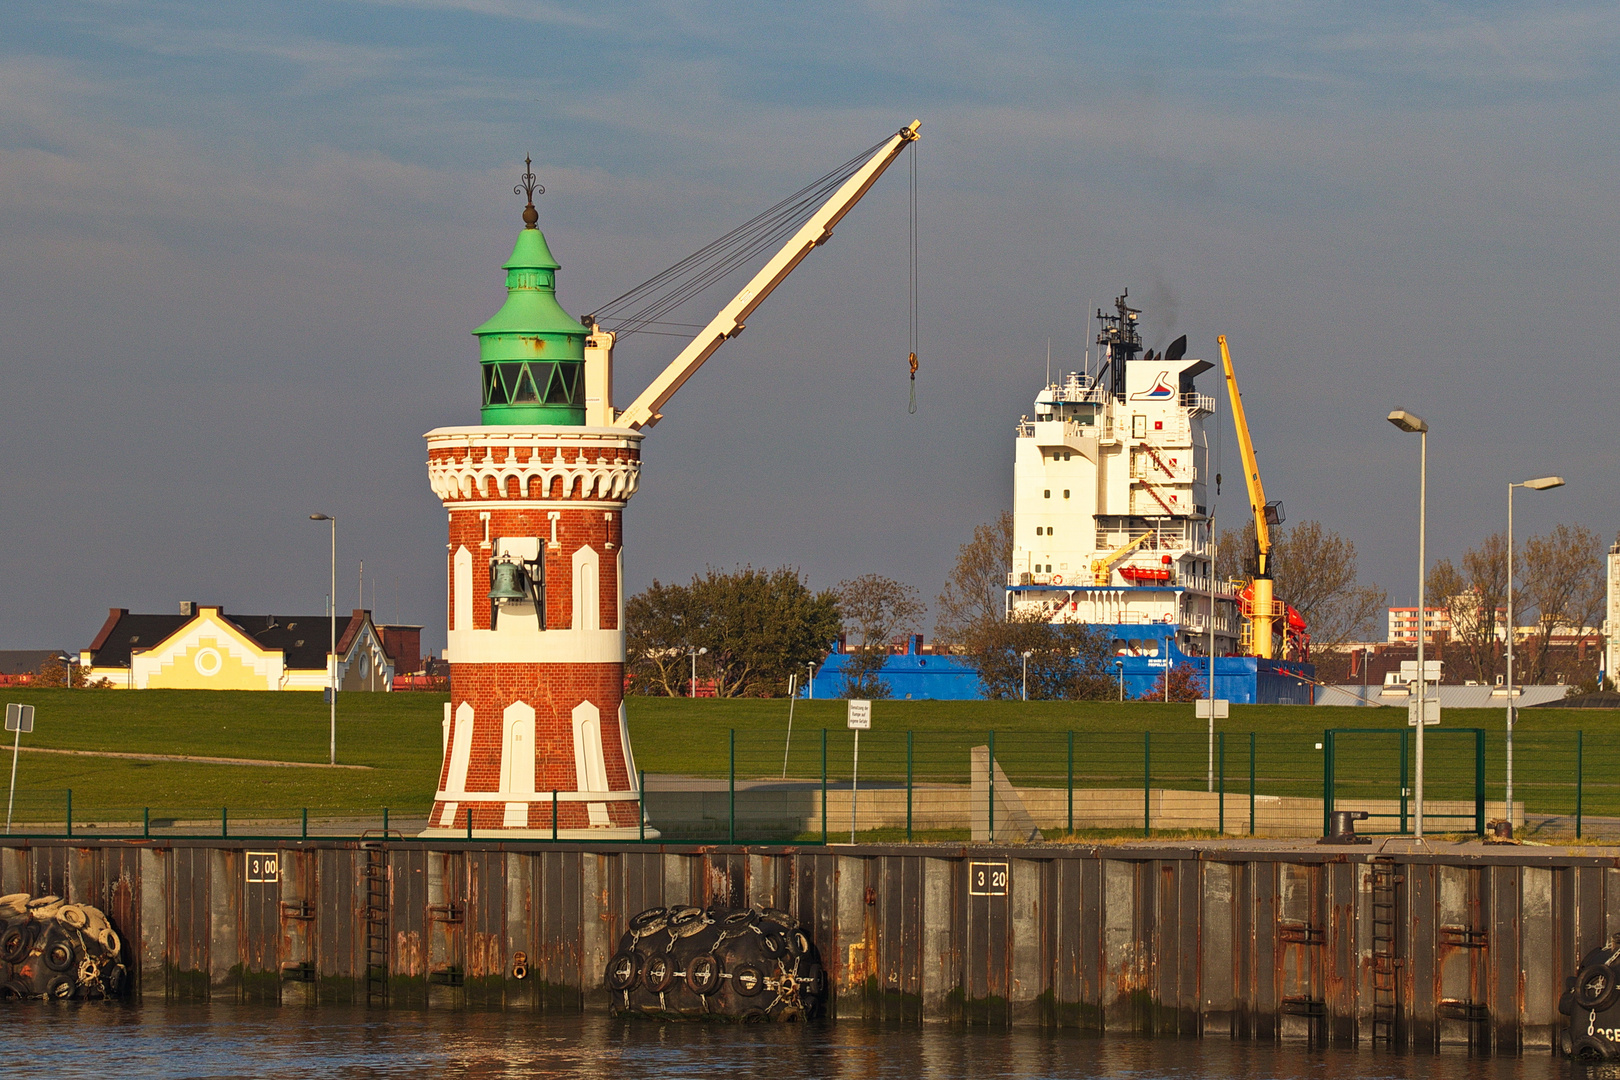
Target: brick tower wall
562, 492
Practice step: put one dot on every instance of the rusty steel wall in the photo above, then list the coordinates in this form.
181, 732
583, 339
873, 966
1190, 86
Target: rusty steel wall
1250, 944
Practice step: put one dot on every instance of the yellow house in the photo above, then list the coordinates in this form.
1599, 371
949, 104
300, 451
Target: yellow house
202, 648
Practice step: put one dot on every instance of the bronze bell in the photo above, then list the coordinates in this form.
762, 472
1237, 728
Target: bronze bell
508, 581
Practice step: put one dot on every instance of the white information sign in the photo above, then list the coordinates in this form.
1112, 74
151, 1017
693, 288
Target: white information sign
1431, 714
1431, 671
20, 718
860, 715
1218, 709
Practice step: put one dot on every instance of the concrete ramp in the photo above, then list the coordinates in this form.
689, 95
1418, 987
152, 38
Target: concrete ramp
1012, 821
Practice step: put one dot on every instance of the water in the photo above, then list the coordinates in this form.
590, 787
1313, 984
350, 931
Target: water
196, 1041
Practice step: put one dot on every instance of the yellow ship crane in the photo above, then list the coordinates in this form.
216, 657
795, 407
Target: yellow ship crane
1102, 570
1264, 608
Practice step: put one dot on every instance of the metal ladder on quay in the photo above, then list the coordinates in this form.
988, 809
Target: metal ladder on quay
376, 912
1386, 960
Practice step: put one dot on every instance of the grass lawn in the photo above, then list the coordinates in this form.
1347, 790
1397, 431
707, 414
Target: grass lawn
398, 735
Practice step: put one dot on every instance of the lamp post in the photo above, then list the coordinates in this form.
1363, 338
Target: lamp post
694, 654
331, 661
1411, 422
1541, 483
1119, 666
1026, 654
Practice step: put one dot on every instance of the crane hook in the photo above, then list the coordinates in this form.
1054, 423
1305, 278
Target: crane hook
913, 407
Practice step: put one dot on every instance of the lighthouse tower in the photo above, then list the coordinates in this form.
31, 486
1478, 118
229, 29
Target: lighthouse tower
535, 726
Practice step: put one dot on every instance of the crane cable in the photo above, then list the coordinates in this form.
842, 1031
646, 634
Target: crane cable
912, 329
645, 306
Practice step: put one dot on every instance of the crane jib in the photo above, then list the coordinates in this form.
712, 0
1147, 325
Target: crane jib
644, 411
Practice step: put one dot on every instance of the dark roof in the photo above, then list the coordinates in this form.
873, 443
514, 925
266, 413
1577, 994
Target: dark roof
302, 639
26, 661
124, 631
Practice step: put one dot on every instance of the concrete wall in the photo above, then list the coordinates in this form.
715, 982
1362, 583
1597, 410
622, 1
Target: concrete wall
780, 812
1270, 944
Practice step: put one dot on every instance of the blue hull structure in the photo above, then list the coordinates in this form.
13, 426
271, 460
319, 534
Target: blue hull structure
1242, 680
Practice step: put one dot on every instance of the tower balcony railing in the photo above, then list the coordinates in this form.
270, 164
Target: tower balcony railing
1198, 403
1161, 540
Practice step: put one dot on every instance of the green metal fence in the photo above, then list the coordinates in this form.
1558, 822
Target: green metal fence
1003, 785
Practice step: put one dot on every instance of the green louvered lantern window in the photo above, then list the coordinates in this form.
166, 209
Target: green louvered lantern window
544, 386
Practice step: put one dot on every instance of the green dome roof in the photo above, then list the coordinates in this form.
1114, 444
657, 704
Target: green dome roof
531, 292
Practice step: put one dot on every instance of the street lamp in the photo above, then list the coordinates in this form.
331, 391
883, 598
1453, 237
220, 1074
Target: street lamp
1027, 654
1119, 666
1539, 484
331, 663
694, 654
1411, 422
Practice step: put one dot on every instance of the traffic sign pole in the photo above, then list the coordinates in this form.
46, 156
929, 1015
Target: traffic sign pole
19, 718
12, 798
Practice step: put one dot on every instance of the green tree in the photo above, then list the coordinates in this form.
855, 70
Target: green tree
1067, 661
660, 624
758, 627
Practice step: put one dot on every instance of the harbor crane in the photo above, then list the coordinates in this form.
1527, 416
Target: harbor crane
1264, 610
642, 305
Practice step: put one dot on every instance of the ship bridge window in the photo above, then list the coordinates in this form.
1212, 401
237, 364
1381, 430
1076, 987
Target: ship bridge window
1065, 493
1048, 494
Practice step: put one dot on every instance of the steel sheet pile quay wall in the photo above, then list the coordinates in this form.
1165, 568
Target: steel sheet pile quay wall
1251, 943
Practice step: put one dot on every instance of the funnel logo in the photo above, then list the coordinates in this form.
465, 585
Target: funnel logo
1161, 390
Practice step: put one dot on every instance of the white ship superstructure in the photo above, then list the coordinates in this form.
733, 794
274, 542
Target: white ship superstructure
1111, 502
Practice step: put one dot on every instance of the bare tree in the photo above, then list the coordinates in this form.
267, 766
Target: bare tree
1564, 584
976, 591
1470, 597
876, 609
1315, 571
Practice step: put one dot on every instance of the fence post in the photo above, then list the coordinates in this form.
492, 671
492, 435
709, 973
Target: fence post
304, 832
1405, 747
1327, 781
1071, 783
224, 823
553, 817
990, 783
1220, 775
641, 805
146, 822
823, 787
385, 823
1580, 777
1251, 783
1147, 783
908, 787
731, 811
1479, 781
70, 810
554, 830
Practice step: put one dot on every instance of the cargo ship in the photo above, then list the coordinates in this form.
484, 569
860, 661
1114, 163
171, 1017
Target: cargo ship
1113, 525
1113, 528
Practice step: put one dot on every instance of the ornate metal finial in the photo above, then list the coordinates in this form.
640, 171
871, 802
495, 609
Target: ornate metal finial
528, 187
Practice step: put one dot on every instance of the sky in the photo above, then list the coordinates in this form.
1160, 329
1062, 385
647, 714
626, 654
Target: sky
242, 248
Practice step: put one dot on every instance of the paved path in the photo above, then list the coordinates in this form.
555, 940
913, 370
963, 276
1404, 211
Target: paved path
195, 758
